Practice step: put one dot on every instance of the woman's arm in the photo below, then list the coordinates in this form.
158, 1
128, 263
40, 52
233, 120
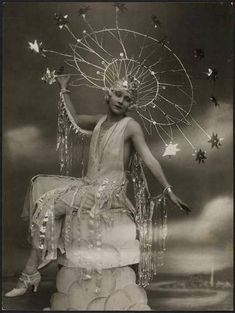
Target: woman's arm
87, 122
137, 136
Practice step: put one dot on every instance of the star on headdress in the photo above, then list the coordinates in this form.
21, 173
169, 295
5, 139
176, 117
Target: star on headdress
171, 149
49, 77
198, 54
164, 41
200, 156
120, 6
83, 10
214, 100
212, 74
215, 141
61, 20
36, 47
156, 21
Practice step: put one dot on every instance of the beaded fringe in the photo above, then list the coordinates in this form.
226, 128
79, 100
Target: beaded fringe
151, 221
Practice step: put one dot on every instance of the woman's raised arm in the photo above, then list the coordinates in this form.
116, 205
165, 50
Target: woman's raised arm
87, 122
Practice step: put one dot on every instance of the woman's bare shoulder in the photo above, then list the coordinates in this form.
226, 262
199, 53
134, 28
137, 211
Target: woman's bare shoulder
133, 127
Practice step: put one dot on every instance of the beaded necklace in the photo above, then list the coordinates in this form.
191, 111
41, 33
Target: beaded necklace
107, 139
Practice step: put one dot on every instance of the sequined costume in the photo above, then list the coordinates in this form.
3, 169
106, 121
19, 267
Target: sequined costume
98, 229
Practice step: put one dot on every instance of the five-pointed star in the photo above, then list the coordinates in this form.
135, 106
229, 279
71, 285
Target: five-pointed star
35, 47
156, 21
164, 41
215, 141
199, 54
200, 156
120, 6
83, 10
61, 20
214, 100
49, 77
212, 74
171, 149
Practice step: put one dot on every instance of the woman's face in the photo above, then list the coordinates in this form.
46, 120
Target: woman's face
119, 101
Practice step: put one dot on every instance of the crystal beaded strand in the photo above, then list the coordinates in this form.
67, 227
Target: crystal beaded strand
98, 235
159, 232
60, 135
144, 210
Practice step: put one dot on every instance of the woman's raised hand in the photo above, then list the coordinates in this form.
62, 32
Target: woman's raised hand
63, 80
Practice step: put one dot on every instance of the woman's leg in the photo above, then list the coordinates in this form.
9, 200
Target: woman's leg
35, 254
32, 262
31, 266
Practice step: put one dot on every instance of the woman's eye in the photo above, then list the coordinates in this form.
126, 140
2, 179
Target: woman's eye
118, 94
128, 99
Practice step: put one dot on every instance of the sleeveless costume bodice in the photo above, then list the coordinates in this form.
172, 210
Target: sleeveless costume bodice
106, 156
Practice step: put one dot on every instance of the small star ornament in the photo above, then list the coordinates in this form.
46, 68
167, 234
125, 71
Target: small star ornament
83, 11
198, 54
61, 20
214, 100
36, 47
171, 149
164, 41
200, 156
156, 21
212, 74
49, 77
215, 141
120, 6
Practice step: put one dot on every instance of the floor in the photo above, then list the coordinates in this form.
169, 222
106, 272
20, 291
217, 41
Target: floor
30, 301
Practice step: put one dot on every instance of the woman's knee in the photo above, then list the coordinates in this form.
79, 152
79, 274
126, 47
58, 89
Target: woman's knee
60, 208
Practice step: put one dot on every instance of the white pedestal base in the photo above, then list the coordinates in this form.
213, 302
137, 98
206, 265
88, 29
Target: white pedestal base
118, 291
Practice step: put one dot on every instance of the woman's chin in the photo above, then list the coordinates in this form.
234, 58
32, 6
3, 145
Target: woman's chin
117, 111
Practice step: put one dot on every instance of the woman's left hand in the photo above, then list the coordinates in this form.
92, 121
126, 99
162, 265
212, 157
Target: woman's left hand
178, 202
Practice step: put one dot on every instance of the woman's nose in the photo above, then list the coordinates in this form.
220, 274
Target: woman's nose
120, 100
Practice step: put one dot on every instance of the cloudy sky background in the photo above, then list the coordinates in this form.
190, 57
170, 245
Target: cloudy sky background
196, 242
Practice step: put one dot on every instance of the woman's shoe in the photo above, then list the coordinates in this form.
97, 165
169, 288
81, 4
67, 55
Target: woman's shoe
27, 280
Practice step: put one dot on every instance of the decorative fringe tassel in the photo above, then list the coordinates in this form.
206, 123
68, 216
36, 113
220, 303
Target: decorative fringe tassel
66, 128
151, 220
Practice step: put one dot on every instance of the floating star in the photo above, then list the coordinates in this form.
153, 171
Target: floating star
120, 6
83, 10
214, 100
198, 54
200, 156
36, 47
156, 21
215, 141
49, 77
61, 20
164, 41
212, 74
171, 149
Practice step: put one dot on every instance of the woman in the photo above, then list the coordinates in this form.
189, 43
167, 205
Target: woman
114, 139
